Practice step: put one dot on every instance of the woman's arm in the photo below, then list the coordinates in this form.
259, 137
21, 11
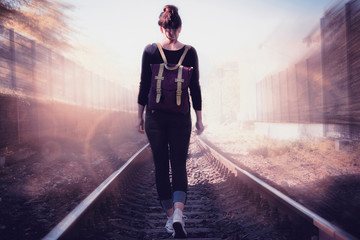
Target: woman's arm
145, 80
195, 92
145, 77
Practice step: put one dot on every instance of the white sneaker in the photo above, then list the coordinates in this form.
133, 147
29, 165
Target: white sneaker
178, 224
169, 225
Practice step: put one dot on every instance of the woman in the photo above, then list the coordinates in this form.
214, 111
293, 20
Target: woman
169, 132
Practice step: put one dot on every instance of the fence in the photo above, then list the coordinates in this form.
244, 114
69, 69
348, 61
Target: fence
55, 97
293, 95
34, 70
325, 88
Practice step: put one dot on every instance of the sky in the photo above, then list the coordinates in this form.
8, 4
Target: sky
258, 36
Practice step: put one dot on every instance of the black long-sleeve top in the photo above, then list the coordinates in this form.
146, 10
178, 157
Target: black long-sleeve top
151, 55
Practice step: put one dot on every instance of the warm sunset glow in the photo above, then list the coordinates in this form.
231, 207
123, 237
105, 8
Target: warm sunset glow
238, 43
280, 91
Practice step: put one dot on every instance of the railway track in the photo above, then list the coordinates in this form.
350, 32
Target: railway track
224, 202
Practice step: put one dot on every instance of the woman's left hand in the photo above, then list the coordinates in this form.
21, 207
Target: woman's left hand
199, 127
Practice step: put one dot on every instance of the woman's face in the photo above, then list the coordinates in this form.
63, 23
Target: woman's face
171, 34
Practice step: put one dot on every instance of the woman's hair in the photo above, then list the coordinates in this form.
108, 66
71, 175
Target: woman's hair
170, 18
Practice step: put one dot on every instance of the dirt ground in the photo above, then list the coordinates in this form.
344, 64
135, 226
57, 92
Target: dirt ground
41, 183
311, 171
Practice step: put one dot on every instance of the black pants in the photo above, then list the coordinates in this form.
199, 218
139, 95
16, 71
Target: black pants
169, 136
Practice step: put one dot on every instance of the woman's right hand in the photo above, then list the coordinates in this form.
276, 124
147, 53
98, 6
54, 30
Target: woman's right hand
140, 125
140, 119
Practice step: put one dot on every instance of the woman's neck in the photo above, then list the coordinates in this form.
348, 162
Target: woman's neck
171, 44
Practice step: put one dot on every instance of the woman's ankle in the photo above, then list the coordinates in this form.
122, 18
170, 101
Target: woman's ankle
170, 212
179, 205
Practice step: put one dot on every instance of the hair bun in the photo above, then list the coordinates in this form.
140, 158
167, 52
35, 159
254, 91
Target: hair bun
170, 18
171, 9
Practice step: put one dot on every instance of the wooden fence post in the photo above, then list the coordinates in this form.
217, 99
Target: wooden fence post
265, 100
287, 95
310, 106
50, 78
297, 94
33, 63
12, 59
91, 90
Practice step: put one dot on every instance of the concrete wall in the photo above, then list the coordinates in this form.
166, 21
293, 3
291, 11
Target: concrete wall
290, 131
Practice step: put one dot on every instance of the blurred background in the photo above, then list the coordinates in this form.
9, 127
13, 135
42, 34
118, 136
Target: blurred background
260, 61
280, 87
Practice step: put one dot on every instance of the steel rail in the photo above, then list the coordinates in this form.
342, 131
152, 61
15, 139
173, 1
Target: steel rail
62, 228
327, 230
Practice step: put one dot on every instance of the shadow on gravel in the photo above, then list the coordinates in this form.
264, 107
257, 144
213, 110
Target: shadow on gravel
340, 204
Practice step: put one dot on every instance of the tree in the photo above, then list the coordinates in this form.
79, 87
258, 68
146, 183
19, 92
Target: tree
44, 20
